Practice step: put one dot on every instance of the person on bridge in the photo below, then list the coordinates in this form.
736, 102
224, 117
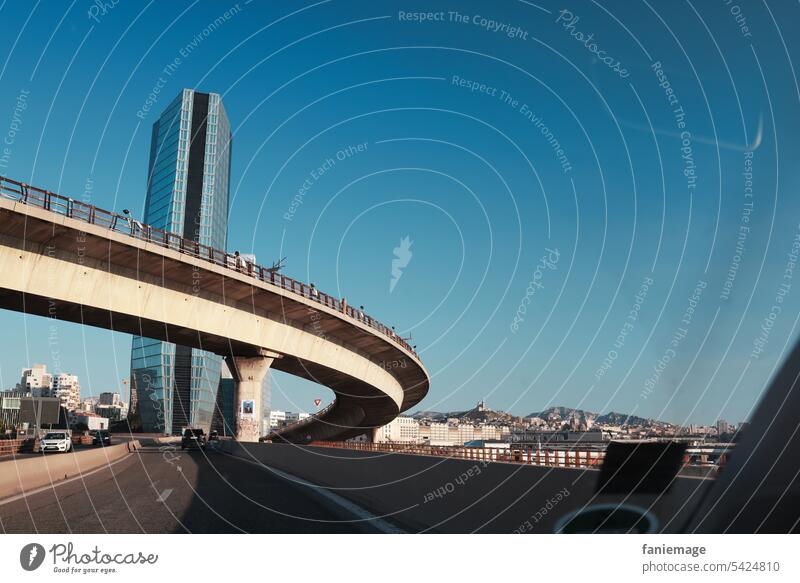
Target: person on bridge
133, 224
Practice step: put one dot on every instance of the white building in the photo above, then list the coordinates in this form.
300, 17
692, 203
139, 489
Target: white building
452, 432
440, 434
67, 388
36, 380
40, 383
278, 419
91, 420
401, 429
455, 433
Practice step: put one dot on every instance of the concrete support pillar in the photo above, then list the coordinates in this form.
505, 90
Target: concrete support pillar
374, 434
248, 374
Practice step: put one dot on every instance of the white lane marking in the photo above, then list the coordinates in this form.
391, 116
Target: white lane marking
362, 514
164, 495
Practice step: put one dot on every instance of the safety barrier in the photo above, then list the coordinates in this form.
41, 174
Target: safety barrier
552, 457
9, 446
82, 439
74, 209
30, 472
564, 458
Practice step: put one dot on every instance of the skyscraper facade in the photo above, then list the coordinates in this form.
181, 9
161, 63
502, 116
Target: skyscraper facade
187, 194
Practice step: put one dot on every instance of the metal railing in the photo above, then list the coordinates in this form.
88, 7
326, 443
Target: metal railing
69, 207
551, 457
574, 458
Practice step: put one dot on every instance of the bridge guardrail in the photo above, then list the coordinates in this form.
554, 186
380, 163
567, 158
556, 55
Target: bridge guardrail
563, 458
69, 207
543, 457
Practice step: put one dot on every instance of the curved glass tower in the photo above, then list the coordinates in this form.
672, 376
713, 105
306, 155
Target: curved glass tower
187, 193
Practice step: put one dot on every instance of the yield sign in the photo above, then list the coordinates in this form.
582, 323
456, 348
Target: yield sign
317, 402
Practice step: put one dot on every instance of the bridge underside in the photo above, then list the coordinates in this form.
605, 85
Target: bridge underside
50, 266
347, 418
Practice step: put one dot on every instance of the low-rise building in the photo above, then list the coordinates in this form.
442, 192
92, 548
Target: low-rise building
565, 437
19, 411
92, 421
87, 405
450, 433
109, 398
10, 406
278, 419
400, 430
111, 412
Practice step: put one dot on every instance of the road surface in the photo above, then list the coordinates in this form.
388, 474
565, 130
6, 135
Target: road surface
165, 490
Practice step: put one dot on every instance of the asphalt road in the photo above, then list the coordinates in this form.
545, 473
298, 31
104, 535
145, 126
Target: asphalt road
165, 490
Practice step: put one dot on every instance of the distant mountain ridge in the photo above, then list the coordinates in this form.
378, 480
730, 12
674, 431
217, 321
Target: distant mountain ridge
613, 418
551, 414
559, 414
610, 418
478, 413
563, 413
426, 414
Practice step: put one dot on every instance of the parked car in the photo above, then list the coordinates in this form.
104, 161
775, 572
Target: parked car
101, 437
56, 441
193, 438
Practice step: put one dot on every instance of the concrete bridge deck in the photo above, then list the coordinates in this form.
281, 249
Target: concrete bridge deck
72, 261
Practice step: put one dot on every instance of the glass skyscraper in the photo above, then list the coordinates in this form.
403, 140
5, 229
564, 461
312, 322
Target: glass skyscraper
187, 193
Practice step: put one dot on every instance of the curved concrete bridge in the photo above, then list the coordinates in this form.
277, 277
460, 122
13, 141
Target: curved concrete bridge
72, 261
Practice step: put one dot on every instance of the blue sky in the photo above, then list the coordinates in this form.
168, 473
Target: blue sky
530, 152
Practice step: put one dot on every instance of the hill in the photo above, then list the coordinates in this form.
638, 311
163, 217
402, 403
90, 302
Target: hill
563, 414
614, 418
553, 415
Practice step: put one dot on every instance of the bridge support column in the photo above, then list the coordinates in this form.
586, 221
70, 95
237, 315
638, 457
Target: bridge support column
374, 434
248, 374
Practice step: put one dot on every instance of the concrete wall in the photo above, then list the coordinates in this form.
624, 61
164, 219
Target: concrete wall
31, 472
431, 494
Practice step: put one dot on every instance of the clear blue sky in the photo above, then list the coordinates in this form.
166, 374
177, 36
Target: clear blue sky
469, 170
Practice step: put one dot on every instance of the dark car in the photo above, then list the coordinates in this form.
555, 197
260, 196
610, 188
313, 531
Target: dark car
213, 435
101, 437
193, 438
